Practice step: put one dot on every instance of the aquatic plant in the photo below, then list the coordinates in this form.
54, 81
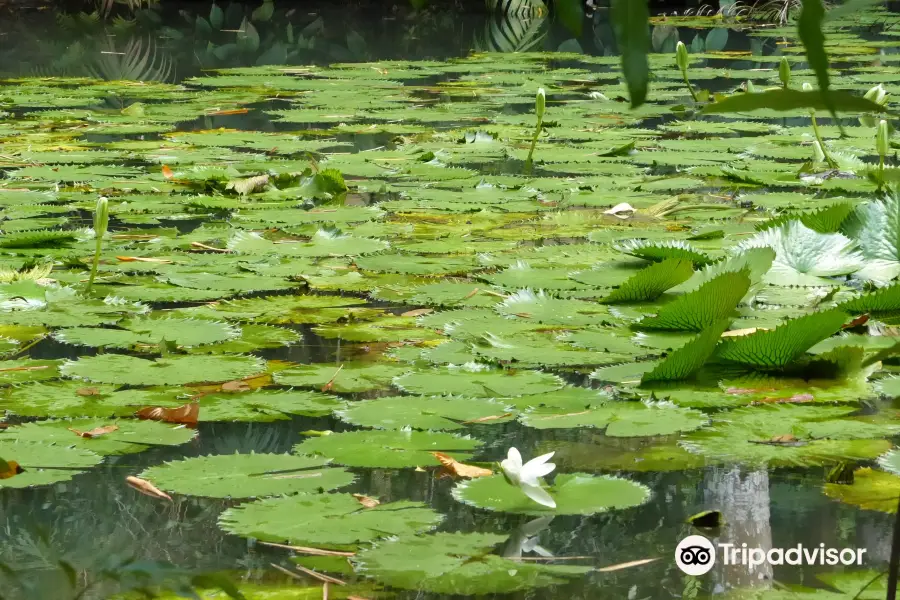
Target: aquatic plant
540, 104
525, 476
681, 61
101, 222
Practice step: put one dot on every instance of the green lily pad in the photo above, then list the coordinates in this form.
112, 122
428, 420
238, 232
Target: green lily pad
247, 475
391, 449
458, 564
574, 494
477, 381
326, 520
417, 412
44, 464
178, 370
131, 435
346, 377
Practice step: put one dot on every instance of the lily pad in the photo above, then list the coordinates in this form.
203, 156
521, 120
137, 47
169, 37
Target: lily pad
392, 449
247, 475
457, 563
326, 520
574, 493
129, 370
44, 464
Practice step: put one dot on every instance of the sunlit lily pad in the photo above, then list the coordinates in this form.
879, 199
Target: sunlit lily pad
130, 435
574, 494
128, 370
475, 381
441, 412
394, 449
247, 475
44, 464
326, 520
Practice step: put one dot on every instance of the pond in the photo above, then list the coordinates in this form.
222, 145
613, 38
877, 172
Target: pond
308, 296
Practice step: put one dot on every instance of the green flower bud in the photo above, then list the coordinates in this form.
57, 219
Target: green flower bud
751, 89
877, 94
818, 152
784, 72
681, 56
101, 216
540, 103
882, 139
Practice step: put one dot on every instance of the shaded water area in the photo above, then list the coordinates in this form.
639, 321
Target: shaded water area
328, 232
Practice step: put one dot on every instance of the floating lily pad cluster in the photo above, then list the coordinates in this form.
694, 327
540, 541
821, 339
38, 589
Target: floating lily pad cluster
384, 256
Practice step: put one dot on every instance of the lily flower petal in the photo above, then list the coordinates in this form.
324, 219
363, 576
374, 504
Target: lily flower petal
539, 495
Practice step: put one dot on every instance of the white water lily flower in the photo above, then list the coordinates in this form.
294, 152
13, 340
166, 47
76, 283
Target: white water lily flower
622, 210
526, 476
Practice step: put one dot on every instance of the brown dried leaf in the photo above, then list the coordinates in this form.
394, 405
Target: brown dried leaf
417, 312
147, 488
88, 391
488, 418
327, 387
236, 386
9, 468
459, 469
860, 320
144, 259
187, 414
95, 432
367, 501
167, 172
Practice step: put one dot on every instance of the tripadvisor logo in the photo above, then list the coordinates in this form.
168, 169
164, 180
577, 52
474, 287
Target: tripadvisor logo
696, 555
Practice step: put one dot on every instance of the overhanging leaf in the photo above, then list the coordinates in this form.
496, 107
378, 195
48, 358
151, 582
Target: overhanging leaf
785, 100
710, 303
776, 348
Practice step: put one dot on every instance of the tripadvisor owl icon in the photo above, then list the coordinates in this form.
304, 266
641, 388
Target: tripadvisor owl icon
695, 555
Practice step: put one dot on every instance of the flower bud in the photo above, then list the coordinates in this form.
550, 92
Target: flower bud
751, 89
877, 94
540, 102
807, 86
882, 139
101, 217
818, 152
784, 72
681, 56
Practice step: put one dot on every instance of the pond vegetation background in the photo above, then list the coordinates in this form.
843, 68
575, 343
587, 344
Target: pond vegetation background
305, 274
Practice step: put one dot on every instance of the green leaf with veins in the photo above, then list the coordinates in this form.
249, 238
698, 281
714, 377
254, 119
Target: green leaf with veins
658, 251
346, 377
650, 283
710, 303
689, 358
778, 347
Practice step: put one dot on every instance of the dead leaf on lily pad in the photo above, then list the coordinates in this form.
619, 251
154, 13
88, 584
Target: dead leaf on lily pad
167, 172
488, 418
146, 488
367, 501
95, 432
786, 439
9, 468
88, 391
419, 312
236, 386
741, 332
187, 414
455, 468
145, 259
795, 399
